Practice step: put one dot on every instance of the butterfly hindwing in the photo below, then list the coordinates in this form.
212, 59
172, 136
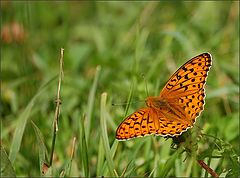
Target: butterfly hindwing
138, 124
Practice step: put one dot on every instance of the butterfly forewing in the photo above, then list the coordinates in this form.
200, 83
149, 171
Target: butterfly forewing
186, 86
189, 78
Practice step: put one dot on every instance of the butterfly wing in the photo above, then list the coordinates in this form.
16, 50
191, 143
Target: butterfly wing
184, 91
147, 121
140, 123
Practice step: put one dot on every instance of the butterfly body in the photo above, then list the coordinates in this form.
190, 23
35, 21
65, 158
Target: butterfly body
167, 107
176, 109
156, 102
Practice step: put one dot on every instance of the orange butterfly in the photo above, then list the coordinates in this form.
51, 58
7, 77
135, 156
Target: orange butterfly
176, 109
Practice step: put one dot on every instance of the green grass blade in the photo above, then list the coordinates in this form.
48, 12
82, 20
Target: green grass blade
129, 98
112, 153
6, 165
41, 146
83, 149
18, 134
100, 158
91, 99
104, 135
22, 121
169, 164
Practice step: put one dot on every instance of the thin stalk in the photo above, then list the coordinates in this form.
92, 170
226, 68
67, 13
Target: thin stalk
207, 168
57, 110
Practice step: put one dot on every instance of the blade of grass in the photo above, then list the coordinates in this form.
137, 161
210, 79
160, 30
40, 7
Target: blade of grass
133, 156
164, 154
72, 154
67, 168
112, 153
129, 98
91, 99
104, 135
170, 163
156, 164
100, 158
6, 165
135, 66
22, 121
178, 168
83, 149
189, 167
41, 147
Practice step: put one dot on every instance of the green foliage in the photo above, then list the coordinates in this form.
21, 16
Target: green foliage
111, 49
6, 165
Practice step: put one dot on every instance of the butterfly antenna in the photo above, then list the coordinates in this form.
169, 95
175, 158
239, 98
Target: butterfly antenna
146, 88
125, 103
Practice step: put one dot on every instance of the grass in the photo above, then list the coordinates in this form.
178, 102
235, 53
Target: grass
114, 52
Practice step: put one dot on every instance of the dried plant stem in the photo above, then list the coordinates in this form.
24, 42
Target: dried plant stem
207, 168
57, 110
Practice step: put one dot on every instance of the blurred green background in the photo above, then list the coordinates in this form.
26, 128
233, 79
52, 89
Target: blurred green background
117, 48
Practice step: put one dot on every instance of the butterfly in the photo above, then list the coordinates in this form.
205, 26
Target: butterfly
177, 107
